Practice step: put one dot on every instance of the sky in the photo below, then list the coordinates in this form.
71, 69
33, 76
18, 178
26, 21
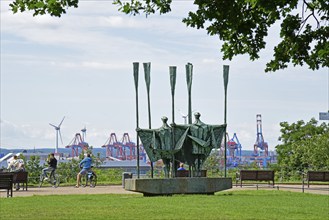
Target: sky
80, 66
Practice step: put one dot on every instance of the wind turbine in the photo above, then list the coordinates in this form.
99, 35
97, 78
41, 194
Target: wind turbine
58, 131
184, 116
84, 133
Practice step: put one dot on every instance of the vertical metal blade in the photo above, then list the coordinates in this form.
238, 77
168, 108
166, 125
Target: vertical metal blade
147, 74
189, 74
225, 75
136, 68
172, 72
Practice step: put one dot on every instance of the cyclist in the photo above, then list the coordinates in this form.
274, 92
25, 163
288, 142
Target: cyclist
85, 164
52, 165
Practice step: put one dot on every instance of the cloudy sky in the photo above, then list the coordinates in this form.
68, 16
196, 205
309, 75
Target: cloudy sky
80, 66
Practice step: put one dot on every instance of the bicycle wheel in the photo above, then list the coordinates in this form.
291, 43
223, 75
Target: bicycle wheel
56, 180
41, 180
84, 180
93, 180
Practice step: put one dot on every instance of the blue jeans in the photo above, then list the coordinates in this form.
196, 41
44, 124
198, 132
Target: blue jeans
47, 169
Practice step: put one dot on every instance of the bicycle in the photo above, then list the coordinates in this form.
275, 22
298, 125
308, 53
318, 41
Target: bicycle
90, 179
53, 179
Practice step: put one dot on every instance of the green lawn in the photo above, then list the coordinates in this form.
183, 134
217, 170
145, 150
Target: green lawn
261, 204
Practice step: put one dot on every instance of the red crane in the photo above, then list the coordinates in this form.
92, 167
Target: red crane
129, 148
76, 144
124, 149
113, 147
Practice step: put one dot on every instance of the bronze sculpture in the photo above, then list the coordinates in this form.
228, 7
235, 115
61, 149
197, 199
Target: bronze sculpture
200, 140
158, 143
190, 143
193, 146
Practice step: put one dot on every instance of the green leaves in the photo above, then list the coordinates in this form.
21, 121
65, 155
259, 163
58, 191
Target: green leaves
41, 7
135, 7
34, 168
242, 24
305, 146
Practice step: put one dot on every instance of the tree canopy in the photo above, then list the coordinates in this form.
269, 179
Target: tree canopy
305, 146
241, 24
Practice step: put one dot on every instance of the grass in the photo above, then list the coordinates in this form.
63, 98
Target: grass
261, 204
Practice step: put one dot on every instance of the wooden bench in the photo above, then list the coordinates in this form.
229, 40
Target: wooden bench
6, 182
182, 173
320, 176
255, 175
21, 177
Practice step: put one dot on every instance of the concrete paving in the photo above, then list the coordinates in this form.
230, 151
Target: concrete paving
115, 189
314, 189
36, 191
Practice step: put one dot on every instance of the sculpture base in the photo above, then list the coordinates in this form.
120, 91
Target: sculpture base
185, 185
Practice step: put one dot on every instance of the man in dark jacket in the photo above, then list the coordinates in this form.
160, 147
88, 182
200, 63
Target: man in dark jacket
52, 165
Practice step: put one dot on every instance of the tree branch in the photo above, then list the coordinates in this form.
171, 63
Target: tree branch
312, 9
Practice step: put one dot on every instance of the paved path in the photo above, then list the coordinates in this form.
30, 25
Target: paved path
47, 190
111, 189
315, 189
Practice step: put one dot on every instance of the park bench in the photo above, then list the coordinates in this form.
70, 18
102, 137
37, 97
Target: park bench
255, 175
6, 182
182, 173
21, 177
320, 176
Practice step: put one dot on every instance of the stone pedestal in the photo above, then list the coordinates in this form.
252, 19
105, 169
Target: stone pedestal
185, 185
